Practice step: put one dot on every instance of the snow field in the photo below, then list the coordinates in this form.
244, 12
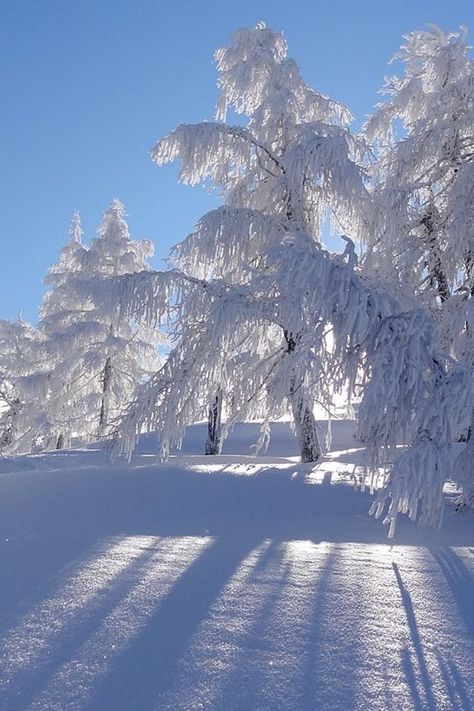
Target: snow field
231, 582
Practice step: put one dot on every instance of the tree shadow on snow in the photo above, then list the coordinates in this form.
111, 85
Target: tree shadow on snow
53, 524
428, 701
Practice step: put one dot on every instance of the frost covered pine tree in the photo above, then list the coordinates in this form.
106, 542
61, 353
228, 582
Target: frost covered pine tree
290, 167
89, 358
22, 358
43, 378
60, 312
123, 352
38, 415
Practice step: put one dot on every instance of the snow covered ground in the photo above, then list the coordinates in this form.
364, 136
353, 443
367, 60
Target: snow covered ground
228, 582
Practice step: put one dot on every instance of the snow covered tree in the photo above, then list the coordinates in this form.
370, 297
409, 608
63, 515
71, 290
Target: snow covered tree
263, 319
291, 166
101, 356
255, 267
412, 393
423, 231
60, 314
42, 413
128, 349
23, 387
79, 368
422, 235
29, 358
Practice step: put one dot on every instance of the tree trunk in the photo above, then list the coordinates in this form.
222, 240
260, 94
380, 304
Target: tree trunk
306, 429
437, 276
214, 431
103, 416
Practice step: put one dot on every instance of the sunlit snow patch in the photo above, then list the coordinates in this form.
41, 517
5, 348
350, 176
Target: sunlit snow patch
105, 603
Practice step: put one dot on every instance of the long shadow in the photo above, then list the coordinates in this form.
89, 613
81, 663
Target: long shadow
461, 582
323, 686
455, 687
410, 676
242, 688
148, 665
26, 684
49, 519
429, 700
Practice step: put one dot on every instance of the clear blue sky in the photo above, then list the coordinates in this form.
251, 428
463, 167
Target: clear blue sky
88, 86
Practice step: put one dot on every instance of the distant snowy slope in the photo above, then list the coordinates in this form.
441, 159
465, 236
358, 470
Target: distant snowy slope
231, 583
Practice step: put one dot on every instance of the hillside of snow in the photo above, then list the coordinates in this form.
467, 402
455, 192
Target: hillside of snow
233, 583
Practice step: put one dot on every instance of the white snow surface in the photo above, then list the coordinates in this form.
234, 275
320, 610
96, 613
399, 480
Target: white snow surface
229, 582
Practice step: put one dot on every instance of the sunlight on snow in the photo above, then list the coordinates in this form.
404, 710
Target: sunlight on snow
254, 630
354, 625
36, 633
412, 632
349, 624
239, 468
328, 470
115, 593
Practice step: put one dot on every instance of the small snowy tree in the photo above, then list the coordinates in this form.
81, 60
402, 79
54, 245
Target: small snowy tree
124, 351
80, 367
102, 356
60, 314
23, 386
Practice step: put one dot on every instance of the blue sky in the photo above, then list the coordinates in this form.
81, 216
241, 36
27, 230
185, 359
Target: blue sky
88, 86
